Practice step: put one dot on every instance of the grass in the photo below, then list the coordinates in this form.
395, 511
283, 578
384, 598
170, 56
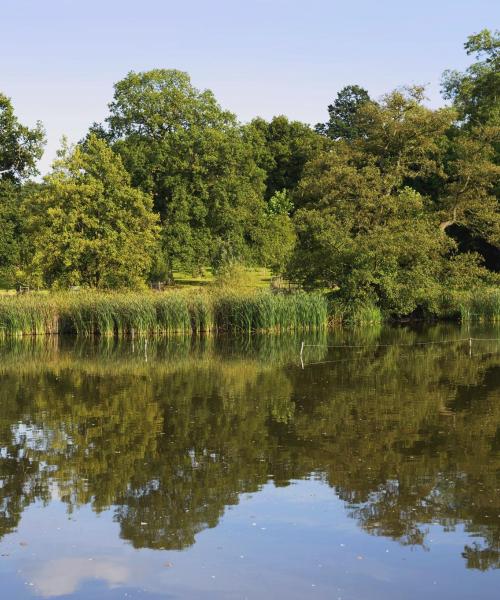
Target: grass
250, 278
271, 312
482, 305
354, 313
119, 314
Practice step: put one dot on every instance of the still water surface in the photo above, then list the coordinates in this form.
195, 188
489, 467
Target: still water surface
220, 468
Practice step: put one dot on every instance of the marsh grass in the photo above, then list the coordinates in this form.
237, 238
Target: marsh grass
482, 306
355, 313
271, 312
136, 314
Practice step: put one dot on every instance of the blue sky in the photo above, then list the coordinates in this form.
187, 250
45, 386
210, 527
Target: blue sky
60, 58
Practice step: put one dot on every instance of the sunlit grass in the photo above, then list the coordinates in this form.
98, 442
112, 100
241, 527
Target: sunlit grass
483, 305
147, 313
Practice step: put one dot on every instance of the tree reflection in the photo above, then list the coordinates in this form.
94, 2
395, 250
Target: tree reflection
172, 434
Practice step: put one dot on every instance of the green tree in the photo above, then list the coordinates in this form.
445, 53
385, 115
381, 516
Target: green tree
20, 149
90, 226
364, 228
20, 146
275, 234
475, 93
470, 201
468, 197
342, 122
179, 145
282, 148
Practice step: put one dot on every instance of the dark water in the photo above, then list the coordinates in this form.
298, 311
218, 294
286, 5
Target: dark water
221, 468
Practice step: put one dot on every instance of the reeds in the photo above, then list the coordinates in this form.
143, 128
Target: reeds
28, 315
271, 312
137, 314
354, 313
480, 305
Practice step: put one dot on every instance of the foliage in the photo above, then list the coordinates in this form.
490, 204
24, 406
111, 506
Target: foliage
90, 226
20, 146
342, 122
390, 206
475, 161
20, 149
179, 145
10, 232
365, 226
475, 92
282, 148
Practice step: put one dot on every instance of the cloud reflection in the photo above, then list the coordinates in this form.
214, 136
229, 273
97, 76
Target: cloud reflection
65, 575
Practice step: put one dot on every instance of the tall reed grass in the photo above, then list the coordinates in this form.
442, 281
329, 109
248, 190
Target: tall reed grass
480, 305
271, 312
149, 313
355, 313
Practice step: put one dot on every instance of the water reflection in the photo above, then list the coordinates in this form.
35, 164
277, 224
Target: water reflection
170, 433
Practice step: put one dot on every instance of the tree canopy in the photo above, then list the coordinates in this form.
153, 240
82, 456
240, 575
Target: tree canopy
20, 146
179, 145
342, 122
389, 201
20, 149
89, 225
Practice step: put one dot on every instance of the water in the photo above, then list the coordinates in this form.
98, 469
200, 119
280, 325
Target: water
220, 468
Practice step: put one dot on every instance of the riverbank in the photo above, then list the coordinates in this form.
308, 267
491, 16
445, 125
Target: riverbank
186, 311
159, 313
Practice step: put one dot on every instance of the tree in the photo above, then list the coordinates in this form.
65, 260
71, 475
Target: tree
282, 148
364, 227
475, 93
275, 234
343, 114
470, 200
20, 146
179, 145
20, 149
90, 226
468, 197
408, 141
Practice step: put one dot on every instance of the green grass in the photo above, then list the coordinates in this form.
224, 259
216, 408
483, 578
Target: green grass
138, 314
354, 313
250, 278
481, 305
271, 312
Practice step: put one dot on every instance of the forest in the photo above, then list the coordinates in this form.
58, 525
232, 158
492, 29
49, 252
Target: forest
389, 204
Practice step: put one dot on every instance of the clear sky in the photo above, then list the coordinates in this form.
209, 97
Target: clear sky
60, 58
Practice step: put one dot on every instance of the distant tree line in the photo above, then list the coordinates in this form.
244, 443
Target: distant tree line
388, 202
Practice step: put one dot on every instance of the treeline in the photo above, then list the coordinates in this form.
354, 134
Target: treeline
388, 204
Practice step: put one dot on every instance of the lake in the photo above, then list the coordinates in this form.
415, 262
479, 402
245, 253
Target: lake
222, 467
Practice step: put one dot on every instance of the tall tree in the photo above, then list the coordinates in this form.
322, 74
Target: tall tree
476, 92
364, 229
470, 202
90, 227
20, 149
343, 114
179, 145
282, 148
20, 146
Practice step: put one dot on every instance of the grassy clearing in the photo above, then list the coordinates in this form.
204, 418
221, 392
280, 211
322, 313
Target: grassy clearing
151, 313
237, 276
